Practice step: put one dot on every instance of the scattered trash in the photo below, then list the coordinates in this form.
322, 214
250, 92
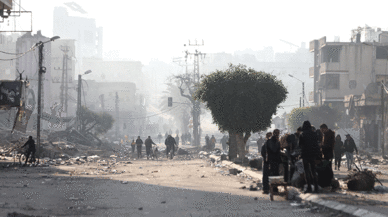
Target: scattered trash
361, 180
124, 182
293, 193
251, 188
141, 208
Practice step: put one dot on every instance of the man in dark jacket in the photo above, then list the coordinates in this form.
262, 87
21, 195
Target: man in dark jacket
308, 142
31, 149
139, 143
265, 164
273, 151
170, 145
148, 143
350, 146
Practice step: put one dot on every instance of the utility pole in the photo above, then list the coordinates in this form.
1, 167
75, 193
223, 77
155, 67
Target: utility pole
196, 105
300, 102
304, 96
117, 115
382, 119
79, 113
41, 71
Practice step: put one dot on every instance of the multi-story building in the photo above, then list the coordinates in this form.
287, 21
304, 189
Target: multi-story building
87, 36
345, 68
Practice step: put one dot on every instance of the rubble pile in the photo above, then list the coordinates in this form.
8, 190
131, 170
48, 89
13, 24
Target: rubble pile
361, 180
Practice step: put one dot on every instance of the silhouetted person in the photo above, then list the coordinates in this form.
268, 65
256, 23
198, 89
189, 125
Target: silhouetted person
31, 149
148, 144
350, 146
139, 144
207, 141
265, 164
133, 146
260, 143
160, 137
273, 151
328, 141
213, 142
338, 151
177, 139
308, 142
170, 145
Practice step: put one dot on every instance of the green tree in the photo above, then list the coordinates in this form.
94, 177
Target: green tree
95, 123
317, 115
242, 101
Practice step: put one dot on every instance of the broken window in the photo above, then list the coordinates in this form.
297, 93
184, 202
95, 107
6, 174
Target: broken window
332, 54
332, 82
382, 52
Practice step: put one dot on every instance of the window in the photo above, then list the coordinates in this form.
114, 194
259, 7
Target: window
332, 82
332, 54
352, 84
382, 52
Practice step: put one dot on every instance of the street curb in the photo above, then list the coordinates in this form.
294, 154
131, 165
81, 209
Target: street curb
312, 198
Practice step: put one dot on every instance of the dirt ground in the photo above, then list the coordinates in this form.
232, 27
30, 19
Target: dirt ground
185, 186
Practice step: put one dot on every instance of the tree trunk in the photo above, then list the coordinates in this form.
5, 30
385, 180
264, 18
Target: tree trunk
232, 146
240, 146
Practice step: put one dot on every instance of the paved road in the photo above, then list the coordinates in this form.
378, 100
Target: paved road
98, 197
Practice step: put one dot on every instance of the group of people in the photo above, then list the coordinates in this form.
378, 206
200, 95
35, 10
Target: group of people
137, 144
309, 145
186, 137
210, 143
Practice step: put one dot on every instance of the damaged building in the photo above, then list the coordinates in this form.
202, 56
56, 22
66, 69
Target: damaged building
348, 76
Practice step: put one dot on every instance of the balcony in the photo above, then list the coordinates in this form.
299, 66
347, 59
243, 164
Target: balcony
312, 46
311, 72
332, 68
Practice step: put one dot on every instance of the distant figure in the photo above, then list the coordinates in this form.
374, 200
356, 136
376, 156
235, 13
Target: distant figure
160, 137
338, 151
260, 143
139, 143
133, 146
223, 143
183, 137
165, 135
213, 142
31, 150
350, 146
177, 139
207, 141
189, 138
148, 143
247, 144
170, 145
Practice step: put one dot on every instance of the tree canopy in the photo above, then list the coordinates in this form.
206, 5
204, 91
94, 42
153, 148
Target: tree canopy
317, 115
241, 99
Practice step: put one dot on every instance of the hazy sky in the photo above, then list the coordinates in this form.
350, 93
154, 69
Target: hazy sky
142, 30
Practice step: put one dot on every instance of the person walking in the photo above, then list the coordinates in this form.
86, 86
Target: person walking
160, 137
265, 164
260, 143
338, 151
213, 142
148, 144
207, 142
133, 146
177, 139
170, 145
30, 151
139, 144
273, 152
308, 142
223, 143
350, 146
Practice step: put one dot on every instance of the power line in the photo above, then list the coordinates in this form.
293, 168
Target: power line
153, 114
